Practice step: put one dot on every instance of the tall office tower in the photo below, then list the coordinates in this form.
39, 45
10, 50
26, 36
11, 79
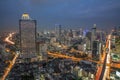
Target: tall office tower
96, 50
27, 28
94, 32
58, 32
93, 36
88, 42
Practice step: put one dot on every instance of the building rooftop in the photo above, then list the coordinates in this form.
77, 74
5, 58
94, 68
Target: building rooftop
25, 16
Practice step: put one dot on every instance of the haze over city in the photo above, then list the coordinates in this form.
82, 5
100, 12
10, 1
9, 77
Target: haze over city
68, 13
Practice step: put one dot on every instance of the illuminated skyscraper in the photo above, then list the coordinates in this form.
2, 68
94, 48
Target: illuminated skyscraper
27, 28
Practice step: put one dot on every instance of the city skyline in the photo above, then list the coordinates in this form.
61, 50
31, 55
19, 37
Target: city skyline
60, 55
68, 13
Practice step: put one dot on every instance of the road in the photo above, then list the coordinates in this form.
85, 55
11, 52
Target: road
107, 67
12, 62
101, 68
115, 65
10, 66
59, 55
7, 39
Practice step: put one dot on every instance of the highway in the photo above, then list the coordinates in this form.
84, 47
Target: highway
12, 62
109, 64
107, 68
100, 69
7, 70
7, 39
59, 55
105, 59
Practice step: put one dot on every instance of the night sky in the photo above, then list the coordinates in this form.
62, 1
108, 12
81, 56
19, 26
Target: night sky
68, 13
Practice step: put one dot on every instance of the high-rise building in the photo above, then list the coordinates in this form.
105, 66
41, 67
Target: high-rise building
96, 50
93, 36
27, 28
94, 33
58, 32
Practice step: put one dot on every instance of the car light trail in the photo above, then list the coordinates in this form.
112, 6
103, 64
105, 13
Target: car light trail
7, 39
10, 66
12, 62
107, 69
